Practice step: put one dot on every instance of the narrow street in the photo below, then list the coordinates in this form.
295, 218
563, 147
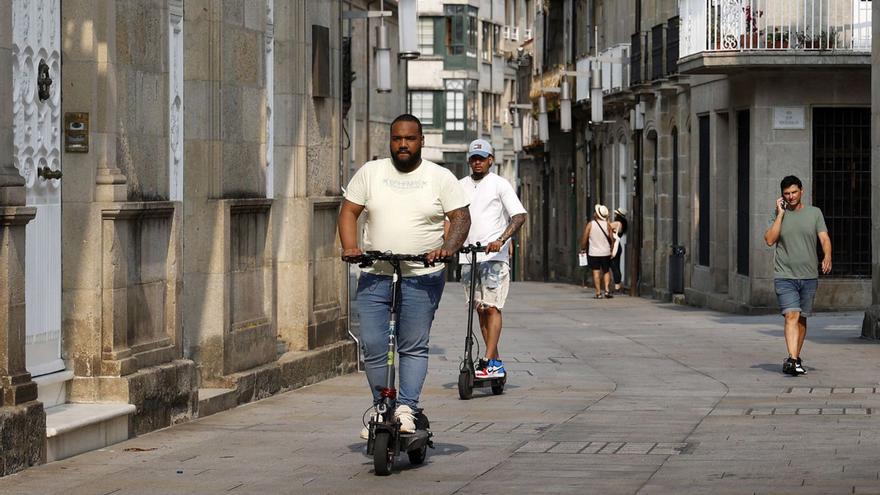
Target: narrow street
604, 396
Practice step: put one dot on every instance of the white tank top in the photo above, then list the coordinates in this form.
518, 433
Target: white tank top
599, 245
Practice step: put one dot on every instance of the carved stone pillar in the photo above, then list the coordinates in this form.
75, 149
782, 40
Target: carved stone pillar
15, 380
22, 420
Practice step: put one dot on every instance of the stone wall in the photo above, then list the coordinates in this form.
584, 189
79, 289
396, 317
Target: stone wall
774, 154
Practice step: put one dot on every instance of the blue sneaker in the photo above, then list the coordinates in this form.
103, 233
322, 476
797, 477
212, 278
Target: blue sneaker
495, 369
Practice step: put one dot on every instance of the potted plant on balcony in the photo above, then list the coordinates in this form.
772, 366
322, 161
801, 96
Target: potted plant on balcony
825, 40
777, 39
749, 39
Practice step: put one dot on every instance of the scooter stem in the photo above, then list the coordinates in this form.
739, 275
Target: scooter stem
470, 336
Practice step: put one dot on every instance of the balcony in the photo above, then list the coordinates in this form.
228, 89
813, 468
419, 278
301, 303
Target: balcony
720, 36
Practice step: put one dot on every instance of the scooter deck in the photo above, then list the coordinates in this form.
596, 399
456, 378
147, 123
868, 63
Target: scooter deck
489, 382
413, 441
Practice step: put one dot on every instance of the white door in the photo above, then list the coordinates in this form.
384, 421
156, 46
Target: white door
36, 107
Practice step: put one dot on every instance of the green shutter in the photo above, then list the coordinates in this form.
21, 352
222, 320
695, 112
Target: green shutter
440, 36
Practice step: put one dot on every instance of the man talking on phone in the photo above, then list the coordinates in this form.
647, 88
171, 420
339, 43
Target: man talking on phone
794, 228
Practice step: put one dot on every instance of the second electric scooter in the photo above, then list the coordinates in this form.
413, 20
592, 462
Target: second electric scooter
467, 379
386, 441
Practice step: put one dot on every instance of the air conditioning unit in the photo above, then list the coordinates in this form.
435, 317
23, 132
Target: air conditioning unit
505, 32
527, 34
514, 33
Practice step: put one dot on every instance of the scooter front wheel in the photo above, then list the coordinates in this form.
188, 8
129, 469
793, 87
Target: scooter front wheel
466, 384
383, 453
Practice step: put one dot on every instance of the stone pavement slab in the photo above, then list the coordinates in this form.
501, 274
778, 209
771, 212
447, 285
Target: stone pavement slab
604, 396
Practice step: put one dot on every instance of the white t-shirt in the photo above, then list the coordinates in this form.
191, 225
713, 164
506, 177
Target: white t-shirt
492, 202
405, 212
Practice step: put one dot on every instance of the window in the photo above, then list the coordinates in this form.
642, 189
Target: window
703, 197
461, 36
421, 104
486, 51
454, 105
743, 150
488, 110
461, 110
842, 185
426, 35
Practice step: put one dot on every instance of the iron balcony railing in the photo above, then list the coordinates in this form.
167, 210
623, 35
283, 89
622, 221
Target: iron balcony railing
745, 25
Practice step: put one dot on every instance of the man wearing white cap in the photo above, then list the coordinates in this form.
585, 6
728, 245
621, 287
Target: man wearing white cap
597, 242
496, 215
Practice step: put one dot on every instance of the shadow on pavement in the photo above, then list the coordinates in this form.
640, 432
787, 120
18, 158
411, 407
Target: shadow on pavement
440, 448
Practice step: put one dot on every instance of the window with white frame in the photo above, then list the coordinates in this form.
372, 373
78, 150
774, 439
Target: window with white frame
426, 35
421, 104
455, 112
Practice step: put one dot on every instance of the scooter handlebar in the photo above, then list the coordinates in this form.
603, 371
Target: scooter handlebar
368, 258
472, 248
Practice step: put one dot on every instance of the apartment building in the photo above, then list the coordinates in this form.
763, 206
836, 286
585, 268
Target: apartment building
717, 102
461, 85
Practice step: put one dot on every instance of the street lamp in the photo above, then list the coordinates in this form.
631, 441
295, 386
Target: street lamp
383, 60
596, 113
408, 22
383, 52
543, 124
565, 106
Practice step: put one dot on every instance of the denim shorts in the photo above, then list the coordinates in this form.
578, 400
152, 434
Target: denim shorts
493, 283
796, 294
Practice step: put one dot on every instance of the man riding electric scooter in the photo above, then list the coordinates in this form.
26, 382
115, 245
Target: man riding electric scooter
407, 199
496, 215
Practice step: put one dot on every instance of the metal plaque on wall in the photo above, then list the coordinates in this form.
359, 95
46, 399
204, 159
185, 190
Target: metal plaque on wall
76, 132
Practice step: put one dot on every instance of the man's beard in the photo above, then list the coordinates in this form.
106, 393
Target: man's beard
409, 163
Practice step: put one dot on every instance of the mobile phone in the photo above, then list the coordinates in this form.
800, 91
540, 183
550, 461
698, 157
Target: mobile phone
785, 204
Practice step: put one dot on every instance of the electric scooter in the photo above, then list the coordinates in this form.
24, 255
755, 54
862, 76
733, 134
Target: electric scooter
386, 441
467, 379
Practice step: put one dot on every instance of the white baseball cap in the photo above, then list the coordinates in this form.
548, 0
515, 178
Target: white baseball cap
480, 147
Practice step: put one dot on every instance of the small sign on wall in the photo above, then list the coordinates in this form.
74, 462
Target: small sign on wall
789, 118
76, 132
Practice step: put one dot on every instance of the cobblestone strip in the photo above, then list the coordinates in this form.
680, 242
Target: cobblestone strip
602, 448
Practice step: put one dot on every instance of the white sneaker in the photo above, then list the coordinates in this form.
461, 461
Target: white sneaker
404, 414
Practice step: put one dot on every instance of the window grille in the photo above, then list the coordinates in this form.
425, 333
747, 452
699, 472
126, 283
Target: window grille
842, 185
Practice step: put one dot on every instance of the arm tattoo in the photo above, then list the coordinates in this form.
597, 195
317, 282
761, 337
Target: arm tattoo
459, 226
516, 222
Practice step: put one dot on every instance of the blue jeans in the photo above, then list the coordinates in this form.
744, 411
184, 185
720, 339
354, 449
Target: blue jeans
796, 294
420, 297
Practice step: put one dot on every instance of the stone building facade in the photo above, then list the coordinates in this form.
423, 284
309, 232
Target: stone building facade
191, 263
698, 133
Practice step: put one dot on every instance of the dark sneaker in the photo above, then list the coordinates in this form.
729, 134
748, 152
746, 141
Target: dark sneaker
788, 367
481, 365
799, 367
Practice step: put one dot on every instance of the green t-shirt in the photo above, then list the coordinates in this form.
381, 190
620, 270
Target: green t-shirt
796, 255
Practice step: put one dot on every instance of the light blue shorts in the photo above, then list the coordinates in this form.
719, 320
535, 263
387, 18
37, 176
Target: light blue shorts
796, 294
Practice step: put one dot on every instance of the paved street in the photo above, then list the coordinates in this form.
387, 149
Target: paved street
609, 396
